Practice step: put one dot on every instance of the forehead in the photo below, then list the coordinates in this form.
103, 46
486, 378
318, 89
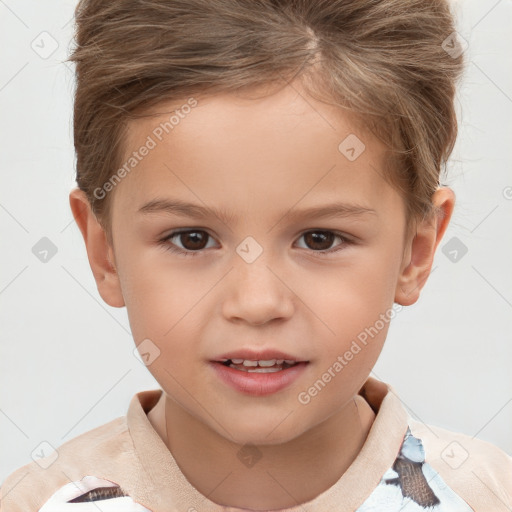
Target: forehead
246, 150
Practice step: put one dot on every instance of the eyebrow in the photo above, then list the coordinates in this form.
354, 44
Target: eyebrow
184, 209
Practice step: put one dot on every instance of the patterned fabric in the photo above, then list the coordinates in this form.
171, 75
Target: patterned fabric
411, 485
101, 495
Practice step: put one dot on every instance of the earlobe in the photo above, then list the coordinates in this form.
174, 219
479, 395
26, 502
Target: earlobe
419, 252
99, 252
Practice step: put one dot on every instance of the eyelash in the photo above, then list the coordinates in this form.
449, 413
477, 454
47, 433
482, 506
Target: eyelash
169, 246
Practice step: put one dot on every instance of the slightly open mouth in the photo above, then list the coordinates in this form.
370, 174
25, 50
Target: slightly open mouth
278, 366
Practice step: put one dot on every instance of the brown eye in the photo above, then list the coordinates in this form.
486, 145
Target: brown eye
186, 242
193, 240
319, 240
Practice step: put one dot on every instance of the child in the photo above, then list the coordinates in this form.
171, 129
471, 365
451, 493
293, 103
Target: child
298, 143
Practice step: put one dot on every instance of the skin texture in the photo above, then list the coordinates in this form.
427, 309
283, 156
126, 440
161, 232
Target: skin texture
261, 158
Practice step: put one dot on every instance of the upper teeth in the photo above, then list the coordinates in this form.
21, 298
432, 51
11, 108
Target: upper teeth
268, 362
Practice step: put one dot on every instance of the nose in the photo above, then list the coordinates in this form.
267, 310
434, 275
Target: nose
256, 293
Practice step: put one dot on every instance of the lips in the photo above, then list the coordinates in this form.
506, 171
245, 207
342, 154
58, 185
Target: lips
252, 382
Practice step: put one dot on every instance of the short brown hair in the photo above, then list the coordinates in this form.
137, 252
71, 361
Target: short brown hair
382, 59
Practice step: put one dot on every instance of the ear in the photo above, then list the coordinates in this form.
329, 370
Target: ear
99, 251
419, 252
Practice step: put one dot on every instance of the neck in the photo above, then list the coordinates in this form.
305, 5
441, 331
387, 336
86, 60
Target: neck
281, 478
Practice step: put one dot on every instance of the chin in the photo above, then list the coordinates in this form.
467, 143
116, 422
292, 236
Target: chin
263, 432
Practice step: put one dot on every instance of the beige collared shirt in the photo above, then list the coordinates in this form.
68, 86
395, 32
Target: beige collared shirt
404, 464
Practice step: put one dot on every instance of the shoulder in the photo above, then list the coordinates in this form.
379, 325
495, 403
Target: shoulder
94, 452
477, 470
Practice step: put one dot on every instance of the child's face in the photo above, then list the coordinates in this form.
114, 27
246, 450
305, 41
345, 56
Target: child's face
261, 162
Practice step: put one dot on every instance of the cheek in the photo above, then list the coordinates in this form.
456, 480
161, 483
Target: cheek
352, 297
160, 298
163, 309
355, 306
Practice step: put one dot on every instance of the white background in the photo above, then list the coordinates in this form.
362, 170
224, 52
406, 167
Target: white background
66, 361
